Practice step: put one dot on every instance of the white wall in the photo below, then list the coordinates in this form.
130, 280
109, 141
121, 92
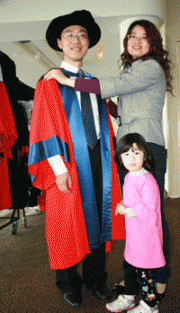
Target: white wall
172, 30
44, 10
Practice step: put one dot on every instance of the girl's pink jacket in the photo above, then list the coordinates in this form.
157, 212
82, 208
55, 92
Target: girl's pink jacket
144, 237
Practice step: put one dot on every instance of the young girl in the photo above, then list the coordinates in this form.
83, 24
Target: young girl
144, 238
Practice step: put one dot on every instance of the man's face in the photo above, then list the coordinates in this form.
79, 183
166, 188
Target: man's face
75, 43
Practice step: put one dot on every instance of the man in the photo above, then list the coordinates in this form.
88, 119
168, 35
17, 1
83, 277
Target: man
75, 166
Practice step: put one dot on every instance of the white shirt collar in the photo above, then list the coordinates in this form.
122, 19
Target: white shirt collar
136, 173
69, 67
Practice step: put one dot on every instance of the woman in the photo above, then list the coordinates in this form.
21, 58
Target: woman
141, 88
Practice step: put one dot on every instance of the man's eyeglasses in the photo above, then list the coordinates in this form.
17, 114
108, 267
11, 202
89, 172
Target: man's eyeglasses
81, 35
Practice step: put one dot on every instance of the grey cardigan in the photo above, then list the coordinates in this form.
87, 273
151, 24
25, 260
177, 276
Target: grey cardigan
141, 89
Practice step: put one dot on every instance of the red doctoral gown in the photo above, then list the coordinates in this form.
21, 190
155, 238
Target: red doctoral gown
72, 227
8, 135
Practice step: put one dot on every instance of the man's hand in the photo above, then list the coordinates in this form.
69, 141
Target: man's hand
120, 209
64, 182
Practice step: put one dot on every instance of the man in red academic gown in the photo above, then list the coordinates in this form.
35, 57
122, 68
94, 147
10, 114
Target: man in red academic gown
77, 173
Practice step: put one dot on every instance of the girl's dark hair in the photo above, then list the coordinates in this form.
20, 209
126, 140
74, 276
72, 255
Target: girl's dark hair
156, 50
126, 143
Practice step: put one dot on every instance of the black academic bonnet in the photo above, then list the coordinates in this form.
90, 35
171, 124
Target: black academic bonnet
82, 18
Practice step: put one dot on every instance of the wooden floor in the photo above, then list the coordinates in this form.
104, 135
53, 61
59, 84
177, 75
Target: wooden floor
28, 285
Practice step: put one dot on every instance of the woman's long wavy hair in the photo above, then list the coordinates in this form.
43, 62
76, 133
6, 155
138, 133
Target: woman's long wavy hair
156, 50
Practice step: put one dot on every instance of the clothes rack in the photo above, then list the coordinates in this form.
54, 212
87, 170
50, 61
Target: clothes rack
14, 142
13, 220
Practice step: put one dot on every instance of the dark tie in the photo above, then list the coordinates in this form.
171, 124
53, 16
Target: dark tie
87, 116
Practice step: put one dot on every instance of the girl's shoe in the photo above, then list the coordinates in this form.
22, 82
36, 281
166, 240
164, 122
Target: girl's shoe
144, 308
123, 302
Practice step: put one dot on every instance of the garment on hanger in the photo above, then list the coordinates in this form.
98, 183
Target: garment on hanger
18, 173
8, 135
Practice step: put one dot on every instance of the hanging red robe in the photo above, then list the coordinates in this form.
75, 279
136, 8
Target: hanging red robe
5, 191
8, 122
8, 135
72, 228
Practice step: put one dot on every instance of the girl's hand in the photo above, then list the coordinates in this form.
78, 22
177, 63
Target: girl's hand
57, 74
120, 209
